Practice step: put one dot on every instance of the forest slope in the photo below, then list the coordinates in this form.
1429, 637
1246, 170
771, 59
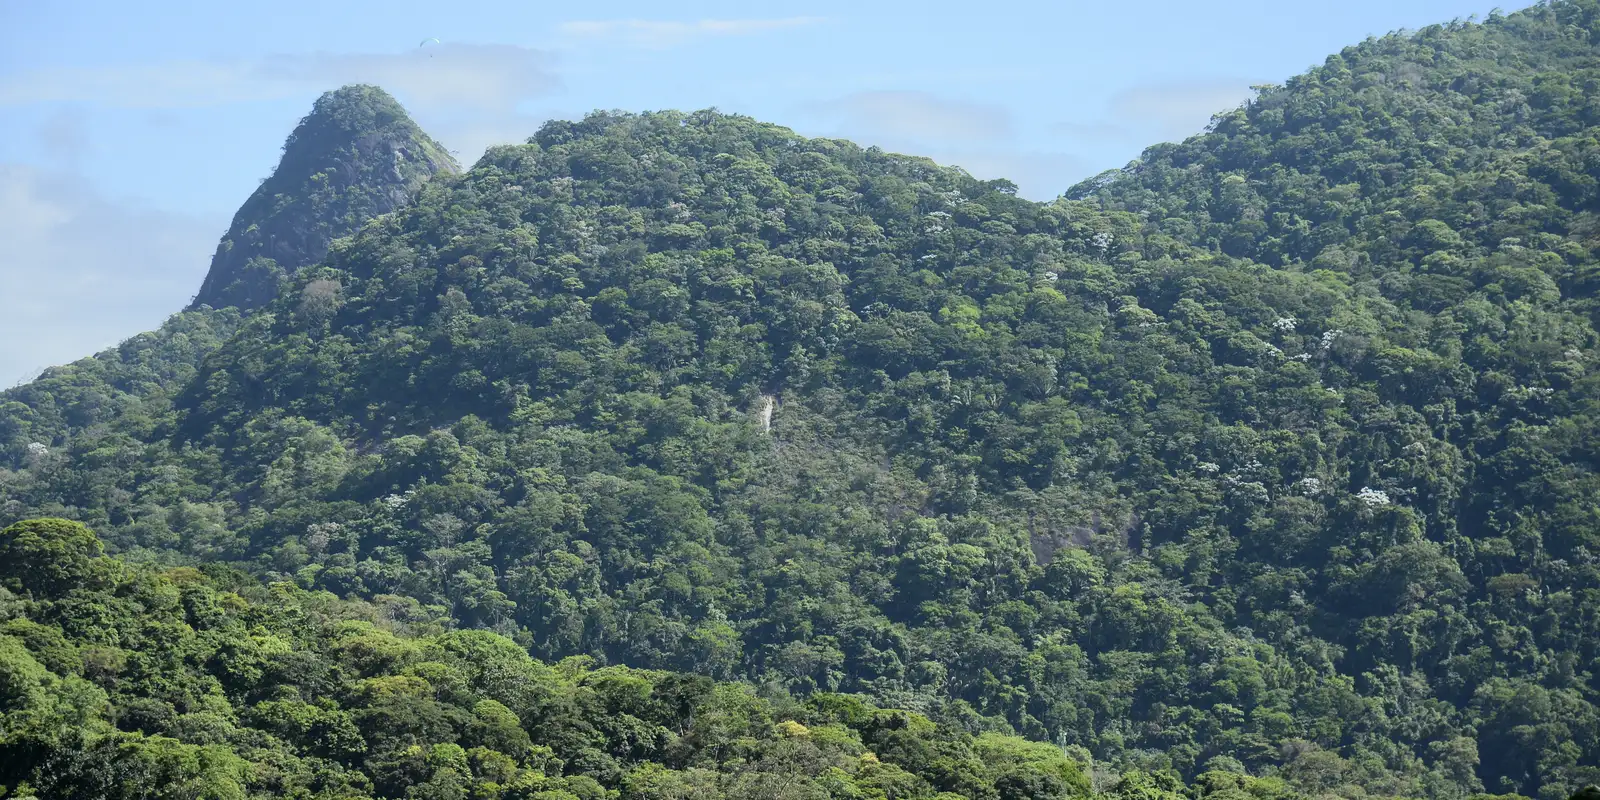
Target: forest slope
1273, 453
118, 681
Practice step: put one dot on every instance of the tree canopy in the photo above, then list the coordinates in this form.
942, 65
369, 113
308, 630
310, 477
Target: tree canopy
184, 683
1265, 464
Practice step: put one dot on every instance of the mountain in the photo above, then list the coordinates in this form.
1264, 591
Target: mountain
1270, 456
356, 156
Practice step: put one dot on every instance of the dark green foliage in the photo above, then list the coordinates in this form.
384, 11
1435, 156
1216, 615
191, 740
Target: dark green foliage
1271, 455
357, 155
273, 691
128, 385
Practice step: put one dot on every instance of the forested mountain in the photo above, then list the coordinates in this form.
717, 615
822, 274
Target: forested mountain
1272, 454
356, 156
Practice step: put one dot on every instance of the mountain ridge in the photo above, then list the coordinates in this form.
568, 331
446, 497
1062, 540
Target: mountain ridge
1215, 465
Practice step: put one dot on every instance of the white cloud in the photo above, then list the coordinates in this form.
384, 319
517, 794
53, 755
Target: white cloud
1161, 111
449, 76
1039, 175
468, 135
64, 137
468, 77
667, 33
1178, 109
82, 272
917, 117
172, 84
466, 95
980, 138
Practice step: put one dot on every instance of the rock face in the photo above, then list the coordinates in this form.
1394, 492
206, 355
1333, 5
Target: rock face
356, 156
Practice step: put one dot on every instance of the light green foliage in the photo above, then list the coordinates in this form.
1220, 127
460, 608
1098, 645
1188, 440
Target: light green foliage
338, 699
21, 676
49, 557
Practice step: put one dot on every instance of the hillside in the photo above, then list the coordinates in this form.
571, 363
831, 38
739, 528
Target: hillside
1271, 454
356, 156
123, 682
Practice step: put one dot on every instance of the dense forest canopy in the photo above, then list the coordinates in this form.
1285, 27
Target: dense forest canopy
119, 681
1272, 454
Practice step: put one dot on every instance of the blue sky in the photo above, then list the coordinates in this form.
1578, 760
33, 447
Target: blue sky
129, 132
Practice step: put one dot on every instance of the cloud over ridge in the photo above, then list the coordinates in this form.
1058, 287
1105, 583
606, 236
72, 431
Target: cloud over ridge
479, 76
84, 271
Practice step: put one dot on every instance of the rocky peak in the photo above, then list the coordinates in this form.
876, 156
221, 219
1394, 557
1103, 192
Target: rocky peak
356, 156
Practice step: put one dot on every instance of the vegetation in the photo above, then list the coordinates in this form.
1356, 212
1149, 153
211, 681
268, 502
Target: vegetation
357, 155
121, 682
126, 387
1270, 455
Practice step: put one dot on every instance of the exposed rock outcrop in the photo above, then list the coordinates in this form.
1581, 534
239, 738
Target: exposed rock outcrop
356, 156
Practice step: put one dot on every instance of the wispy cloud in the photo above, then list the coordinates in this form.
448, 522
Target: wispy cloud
468, 135
1165, 111
83, 272
171, 84
668, 33
978, 137
64, 137
481, 77
1038, 174
472, 76
917, 117
1179, 109
468, 95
